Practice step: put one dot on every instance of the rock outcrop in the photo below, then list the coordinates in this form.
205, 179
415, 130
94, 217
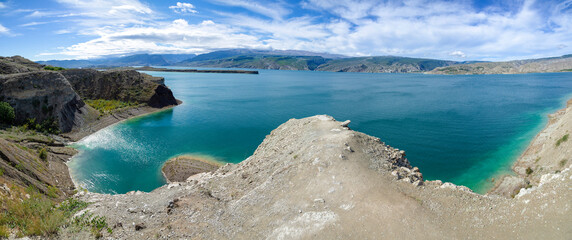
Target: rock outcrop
314, 178
21, 165
17, 64
123, 85
43, 96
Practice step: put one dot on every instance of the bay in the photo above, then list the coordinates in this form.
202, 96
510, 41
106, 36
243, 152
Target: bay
461, 129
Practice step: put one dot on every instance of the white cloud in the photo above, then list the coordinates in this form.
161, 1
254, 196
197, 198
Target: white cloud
4, 30
458, 54
90, 14
272, 9
183, 8
2, 5
30, 24
176, 37
415, 28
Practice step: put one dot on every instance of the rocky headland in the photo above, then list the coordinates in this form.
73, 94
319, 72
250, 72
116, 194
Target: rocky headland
179, 168
314, 178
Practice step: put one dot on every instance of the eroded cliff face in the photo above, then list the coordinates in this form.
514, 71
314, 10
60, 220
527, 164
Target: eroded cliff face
314, 178
44, 96
123, 85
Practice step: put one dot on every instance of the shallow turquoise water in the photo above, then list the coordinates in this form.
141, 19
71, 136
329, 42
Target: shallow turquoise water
462, 129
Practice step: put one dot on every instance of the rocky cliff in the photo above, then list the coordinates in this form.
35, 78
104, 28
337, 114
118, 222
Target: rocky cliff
43, 96
123, 85
56, 96
314, 178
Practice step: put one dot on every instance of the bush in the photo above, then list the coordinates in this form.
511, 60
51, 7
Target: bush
529, 171
561, 140
49, 125
7, 114
52, 68
43, 154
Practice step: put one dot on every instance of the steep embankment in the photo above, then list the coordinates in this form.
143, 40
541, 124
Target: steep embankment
549, 153
556, 64
314, 178
43, 96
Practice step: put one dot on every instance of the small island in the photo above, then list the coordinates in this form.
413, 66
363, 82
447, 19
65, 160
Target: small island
179, 168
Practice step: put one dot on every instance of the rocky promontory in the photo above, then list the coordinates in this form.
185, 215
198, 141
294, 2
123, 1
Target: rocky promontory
314, 178
179, 168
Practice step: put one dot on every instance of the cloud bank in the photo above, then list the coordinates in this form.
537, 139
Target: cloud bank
456, 30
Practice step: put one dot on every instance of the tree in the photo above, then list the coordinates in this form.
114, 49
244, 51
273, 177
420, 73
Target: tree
7, 114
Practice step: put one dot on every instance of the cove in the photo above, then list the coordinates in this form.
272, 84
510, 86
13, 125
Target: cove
460, 129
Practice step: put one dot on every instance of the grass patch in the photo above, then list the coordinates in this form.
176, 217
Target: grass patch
107, 106
87, 221
561, 140
35, 216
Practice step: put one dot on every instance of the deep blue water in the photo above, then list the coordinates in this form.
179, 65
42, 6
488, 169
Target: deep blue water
462, 129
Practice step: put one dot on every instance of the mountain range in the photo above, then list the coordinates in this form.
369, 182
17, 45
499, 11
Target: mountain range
312, 61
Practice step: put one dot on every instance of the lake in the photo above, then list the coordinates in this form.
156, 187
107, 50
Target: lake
461, 129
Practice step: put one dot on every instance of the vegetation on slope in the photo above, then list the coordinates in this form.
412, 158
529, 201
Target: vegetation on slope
107, 106
25, 212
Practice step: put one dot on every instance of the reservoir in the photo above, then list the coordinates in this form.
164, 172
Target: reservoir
463, 129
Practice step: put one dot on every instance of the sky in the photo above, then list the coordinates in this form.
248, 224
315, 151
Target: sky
489, 30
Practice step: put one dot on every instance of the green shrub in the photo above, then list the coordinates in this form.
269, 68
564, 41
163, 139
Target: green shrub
94, 223
529, 171
49, 125
7, 114
43, 154
561, 140
52, 68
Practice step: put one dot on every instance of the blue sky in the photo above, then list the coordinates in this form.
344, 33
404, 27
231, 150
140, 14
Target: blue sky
457, 30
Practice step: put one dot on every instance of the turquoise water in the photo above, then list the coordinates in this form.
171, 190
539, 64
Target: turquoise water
462, 129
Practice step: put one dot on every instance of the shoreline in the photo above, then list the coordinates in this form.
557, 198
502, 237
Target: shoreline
540, 156
108, 121
112, 119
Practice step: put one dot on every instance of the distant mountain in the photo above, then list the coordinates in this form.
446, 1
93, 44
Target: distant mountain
383, 64
223, 54
132, 60
300, 60
553, 64
258, 62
